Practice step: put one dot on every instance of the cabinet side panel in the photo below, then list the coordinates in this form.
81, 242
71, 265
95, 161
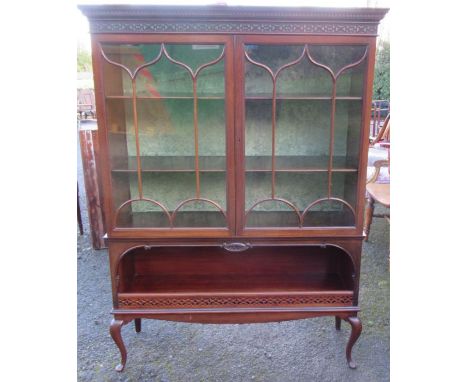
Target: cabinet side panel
366, 114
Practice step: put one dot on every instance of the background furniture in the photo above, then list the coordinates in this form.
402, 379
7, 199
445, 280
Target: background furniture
78, 210
378, 184
379, 112
90, 158
86, 105
234, 148
376, 192
379, 149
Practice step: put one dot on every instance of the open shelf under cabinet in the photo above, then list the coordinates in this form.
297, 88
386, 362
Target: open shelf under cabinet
211, 276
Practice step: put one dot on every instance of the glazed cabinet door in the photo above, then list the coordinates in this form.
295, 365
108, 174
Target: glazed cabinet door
167, 105
301, 133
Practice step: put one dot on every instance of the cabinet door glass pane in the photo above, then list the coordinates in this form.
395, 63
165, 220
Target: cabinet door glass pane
302, 134
167, 132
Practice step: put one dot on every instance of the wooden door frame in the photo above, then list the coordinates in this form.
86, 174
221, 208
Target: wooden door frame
98, 62
240, 41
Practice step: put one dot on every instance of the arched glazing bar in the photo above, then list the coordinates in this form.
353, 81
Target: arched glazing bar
280, 200
321, 200
198, 199
156, 203
333, 107
134, 107
194, 75
274, 77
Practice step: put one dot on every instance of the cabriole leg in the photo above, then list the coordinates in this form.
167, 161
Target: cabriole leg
115, 332
356, 328
138, 325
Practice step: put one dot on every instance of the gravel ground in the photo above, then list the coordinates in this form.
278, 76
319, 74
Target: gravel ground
304, 350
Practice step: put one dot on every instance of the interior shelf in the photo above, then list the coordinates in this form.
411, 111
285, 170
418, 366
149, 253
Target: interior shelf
172, 164
232, 284
218, 164
247, 97
297, 163
163, 97
299, 97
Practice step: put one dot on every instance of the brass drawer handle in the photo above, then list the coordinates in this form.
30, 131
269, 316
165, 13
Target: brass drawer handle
236, 247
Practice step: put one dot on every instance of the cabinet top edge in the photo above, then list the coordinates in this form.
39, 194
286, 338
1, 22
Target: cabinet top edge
223, 12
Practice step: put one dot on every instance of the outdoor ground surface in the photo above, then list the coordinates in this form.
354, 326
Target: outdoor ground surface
293, 351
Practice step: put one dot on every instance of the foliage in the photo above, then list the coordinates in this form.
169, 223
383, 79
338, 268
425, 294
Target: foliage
382, 72
83, 60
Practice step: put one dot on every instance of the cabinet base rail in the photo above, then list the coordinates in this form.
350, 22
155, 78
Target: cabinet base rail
233, 316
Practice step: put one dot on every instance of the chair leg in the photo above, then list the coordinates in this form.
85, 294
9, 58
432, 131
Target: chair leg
80, 221
368, 216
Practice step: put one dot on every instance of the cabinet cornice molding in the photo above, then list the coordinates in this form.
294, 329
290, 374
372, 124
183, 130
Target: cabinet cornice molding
236, 20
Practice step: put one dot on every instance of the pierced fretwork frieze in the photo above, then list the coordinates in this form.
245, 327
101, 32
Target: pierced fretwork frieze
226, 301
357, 28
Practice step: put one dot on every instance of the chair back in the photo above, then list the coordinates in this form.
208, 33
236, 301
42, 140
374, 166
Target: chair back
384, 133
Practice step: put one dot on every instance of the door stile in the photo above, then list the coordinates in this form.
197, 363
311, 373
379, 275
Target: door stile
231, 166
240, 133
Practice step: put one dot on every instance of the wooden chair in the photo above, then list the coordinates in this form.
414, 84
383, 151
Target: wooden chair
378, 190
382, 138
80, 221
86, 104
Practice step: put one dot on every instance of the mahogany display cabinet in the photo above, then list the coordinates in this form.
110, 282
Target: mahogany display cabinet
234, 152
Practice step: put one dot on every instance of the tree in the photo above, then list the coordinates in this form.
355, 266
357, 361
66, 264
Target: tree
382, 71
83, 59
